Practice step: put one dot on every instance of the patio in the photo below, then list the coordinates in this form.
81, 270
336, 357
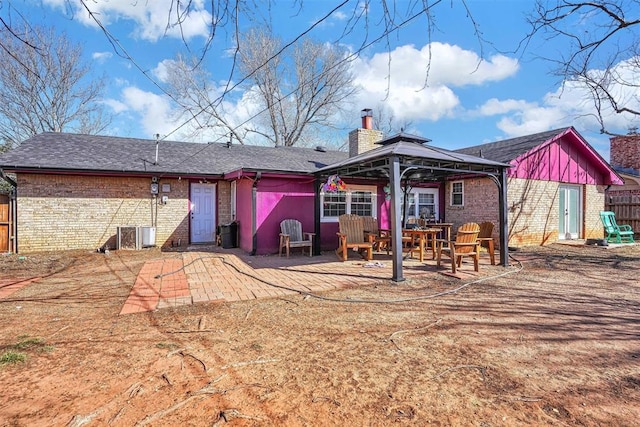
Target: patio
214, 274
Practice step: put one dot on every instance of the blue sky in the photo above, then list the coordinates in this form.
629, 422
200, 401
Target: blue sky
476, 91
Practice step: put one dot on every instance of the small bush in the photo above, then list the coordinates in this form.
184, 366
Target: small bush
167, 345
12, 357
27, 343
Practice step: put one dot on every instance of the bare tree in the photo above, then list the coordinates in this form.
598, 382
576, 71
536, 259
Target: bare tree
45, 87
299, 92
294, 93
602, 55
192, 87
385, 120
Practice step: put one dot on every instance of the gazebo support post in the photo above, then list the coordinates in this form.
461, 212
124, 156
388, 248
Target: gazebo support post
396, 226
504, 221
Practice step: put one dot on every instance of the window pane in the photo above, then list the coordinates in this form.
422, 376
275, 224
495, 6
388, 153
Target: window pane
335, 204
361, 203
412, 205
426, 205
457, 194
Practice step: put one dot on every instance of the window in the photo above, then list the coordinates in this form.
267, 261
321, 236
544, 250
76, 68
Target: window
334, 204
426, 205
357, 200
361, 203
457, 193
422, 202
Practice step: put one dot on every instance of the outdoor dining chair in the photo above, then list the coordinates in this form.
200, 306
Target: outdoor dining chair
465, 245
381, 237
485, 238
352, 236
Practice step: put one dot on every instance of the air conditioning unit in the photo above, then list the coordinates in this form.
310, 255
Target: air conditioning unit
148, 236
128, 237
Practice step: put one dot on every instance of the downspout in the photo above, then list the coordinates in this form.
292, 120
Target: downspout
254, 210
316, 217
13, 196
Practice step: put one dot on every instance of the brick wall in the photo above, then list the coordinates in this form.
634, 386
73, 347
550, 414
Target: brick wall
76, 212
593, 197
361, 140
625, 152
224, 202
533, 209
480, 204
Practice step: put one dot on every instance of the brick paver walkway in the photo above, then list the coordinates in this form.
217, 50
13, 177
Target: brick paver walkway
200, 277
9, 286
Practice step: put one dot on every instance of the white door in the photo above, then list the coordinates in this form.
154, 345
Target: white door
570, 214
203, 212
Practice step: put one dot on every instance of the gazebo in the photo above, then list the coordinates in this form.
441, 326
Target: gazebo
405, 158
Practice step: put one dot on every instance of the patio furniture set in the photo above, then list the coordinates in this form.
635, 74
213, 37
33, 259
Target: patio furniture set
363, 235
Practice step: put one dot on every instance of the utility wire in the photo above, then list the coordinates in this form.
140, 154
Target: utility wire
251, 118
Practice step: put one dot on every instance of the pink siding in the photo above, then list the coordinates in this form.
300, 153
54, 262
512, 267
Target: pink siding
278, 199
565, 159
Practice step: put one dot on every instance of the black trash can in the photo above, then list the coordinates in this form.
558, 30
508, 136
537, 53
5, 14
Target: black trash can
229, 235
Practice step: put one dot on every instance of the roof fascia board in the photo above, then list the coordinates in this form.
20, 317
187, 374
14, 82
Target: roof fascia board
81, 172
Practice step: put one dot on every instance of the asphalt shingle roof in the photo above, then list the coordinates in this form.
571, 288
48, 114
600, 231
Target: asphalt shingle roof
509, 149
75, 152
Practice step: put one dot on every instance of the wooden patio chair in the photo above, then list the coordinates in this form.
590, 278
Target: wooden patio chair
291, 236
381, 237
485, 238
352, 236
465, 245
615, 233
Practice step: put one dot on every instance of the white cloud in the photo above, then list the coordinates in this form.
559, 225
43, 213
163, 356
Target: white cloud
495, 106
340, 16
101, 57
154, 110
157, 114
152, 19
419, 84
117, 106
532, 120
569, 105
161, 70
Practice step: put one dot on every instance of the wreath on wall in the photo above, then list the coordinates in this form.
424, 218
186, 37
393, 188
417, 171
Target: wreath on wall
334, 184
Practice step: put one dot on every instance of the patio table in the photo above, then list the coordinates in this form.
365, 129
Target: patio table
444, 227
423, 235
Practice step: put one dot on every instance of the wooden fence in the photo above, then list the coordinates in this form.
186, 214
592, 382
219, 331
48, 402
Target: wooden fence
627, 210
6, 223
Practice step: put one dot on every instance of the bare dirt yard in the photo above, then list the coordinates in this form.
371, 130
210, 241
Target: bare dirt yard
556, 342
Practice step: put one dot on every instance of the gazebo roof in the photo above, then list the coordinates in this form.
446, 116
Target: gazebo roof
426, 162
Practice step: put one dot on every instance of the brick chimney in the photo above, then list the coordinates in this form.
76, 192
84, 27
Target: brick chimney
625, 153
364, 138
